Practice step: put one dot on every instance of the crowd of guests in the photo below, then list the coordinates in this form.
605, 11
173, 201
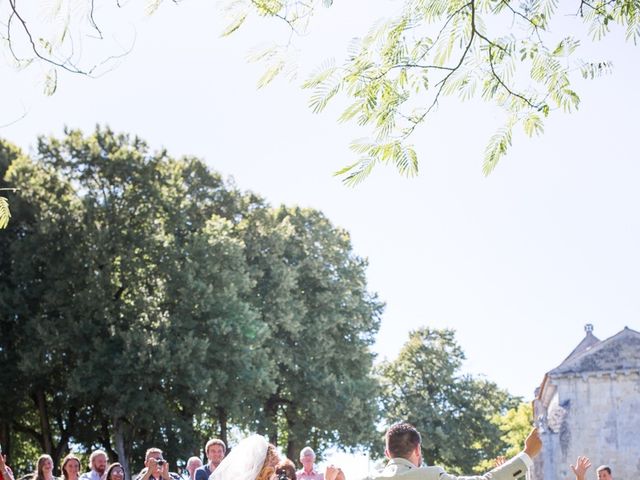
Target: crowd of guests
157, 468
254, 459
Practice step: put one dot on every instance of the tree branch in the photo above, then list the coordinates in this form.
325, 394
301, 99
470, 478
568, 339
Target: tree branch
444, 81
14, 13
509, 91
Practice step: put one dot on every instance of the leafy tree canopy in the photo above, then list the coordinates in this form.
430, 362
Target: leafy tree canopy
509, 54
523, 57
145, 302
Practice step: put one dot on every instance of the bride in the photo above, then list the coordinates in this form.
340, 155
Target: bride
252, 459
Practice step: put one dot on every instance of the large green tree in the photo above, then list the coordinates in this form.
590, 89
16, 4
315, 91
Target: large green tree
124, 293
424, 386
144, 302
311, 293
38, 283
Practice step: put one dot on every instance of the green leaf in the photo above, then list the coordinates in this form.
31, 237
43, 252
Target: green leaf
533, 125
496, 149
323, 94
235, 24
5, 213
359, 171
271, 73
51, 82
321, 74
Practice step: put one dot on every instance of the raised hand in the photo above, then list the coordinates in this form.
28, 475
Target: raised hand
331, 472
533, 444
581, 467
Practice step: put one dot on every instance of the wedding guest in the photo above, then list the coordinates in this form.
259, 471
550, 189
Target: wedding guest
114, 472
156, 467
604, 472
70, 467
308, 472
286, 468
214, 450
192, 465
44, 468
5, 471
98, 465
583, 464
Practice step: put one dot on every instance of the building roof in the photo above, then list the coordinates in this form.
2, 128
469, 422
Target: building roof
587, 342
619, 352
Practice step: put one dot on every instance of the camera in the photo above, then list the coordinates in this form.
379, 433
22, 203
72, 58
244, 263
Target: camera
160, 462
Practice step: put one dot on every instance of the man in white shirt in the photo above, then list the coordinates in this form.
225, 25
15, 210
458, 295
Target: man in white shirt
98, 464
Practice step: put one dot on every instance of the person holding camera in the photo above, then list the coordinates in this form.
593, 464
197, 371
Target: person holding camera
155, 467
286, 470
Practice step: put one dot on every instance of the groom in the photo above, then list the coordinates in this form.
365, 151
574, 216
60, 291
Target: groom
403, 448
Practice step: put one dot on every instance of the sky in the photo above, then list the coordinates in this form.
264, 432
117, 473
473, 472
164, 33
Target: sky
517, 262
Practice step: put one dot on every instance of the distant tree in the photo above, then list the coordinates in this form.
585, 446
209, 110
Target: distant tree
425, 387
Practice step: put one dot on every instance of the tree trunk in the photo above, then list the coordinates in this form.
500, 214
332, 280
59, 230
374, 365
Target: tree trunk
65, 435
105, 439
45, 425
292, 451
118, 440
222, 420
271, 414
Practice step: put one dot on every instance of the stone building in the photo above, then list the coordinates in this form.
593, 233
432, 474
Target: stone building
590, 405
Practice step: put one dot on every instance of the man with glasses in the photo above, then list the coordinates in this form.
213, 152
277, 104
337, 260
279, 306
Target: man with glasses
156, 467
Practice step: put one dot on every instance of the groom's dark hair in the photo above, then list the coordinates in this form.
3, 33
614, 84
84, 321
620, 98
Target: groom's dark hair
402, 438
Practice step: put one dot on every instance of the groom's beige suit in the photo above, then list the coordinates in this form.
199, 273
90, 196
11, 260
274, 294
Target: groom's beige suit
402, 469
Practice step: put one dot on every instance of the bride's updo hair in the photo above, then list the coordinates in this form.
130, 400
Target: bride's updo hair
269, 466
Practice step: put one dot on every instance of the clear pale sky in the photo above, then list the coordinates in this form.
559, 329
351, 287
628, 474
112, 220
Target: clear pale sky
517, 263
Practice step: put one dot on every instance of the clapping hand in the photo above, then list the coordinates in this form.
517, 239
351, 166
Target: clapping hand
333, 473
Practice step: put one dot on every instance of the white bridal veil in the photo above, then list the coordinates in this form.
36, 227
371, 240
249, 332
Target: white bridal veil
244, 462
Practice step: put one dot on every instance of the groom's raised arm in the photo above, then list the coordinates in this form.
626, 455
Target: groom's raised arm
513, 468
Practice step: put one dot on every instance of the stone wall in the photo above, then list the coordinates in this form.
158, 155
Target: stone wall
597, 415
